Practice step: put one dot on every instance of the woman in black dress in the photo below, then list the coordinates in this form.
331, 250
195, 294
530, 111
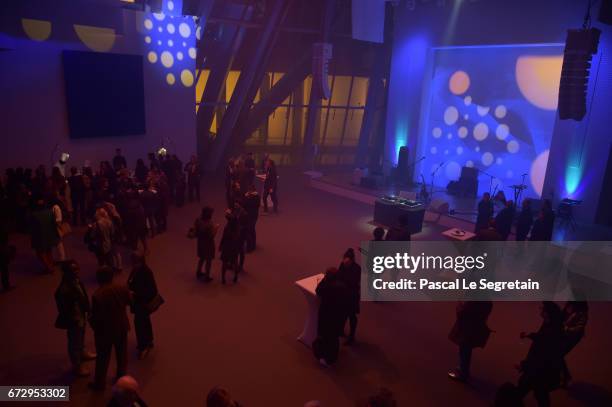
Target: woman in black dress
205, 230
142, 284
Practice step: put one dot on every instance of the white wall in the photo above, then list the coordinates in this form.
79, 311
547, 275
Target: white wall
32, 104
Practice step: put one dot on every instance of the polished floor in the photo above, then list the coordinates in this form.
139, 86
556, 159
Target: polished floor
243, 336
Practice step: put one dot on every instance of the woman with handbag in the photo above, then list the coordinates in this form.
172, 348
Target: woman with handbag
146, 301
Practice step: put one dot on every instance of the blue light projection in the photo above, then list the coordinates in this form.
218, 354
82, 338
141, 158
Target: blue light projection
492, 108
171, 40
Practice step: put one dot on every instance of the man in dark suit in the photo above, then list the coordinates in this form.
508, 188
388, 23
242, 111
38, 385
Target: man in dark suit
73, 308
110, 324
251, 206
350, 272
470, 331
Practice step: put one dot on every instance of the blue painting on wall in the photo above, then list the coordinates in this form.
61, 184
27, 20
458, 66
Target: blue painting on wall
492, 108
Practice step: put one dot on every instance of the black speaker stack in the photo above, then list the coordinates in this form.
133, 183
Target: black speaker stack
580, 46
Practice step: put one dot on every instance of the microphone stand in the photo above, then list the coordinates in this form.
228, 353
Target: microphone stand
433, 176
492, 177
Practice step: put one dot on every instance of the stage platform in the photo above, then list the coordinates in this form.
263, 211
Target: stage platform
341, 183
463, 210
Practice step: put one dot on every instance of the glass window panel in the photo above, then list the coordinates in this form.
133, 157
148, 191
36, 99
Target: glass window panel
340, 93
276, 126
230, 84
360, 91
353, 127
334, 127
201, 85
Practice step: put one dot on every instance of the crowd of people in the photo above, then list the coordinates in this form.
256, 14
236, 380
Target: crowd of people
126, 208
499, 227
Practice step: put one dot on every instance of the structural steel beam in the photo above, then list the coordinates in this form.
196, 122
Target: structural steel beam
243, 86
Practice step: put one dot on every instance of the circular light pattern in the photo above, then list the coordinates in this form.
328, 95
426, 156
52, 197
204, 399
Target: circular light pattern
187, 78
469, 163
158, 42
148, 39
160, 29
482, 110
481, 131
502, 131
159, 16
449, 136
487, 159
37, 30
192, 52
459, 83
499, 161
538, 171
184, 44
467, 100
167, 59
445, 152
148, 24
170, 6
459, 150
433, 150
466, 116
436, 132
170, 43
152, 57
451, 114
170, 79
477, 149
513, 147
500, 111
184, 30
462, 132
509, 174
452, 170
179, 56
170, 28
199, 33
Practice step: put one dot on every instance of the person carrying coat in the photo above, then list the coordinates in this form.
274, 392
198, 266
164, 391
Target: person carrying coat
141, 283
469, 331
73, 309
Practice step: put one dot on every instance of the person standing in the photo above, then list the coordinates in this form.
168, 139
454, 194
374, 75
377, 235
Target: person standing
485, 212
350, 273
119, 161
73, 309
270, 186
7, 252
192, 168
251, 206
141, 283
141, 171
524, 221
541, 369
334, 304
229, 247
110, 325
44, 235
504, 219
77, 194
575, 318
469, 331
204, 230
101, 236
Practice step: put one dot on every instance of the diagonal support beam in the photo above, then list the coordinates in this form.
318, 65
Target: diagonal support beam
222, 141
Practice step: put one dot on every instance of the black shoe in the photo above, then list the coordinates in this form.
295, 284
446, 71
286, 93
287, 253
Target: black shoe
457, 375
349, 341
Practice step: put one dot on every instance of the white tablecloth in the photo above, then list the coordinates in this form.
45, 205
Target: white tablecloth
308, 286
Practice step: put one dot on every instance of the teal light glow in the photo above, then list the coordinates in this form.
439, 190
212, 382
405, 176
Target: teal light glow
573, 175
400, 140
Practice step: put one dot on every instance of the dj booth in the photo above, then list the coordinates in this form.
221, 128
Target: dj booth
388, 209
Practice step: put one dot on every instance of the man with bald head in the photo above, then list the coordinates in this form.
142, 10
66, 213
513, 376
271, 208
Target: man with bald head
125, 393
